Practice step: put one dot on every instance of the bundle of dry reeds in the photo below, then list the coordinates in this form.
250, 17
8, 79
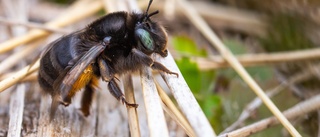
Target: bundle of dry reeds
29, 110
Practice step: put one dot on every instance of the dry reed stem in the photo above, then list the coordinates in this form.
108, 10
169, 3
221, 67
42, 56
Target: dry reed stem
173, 111
18, 76
259, 59
70, 16
132, 112
32, 25
185, 99
17, 98
156, 120
30, 78
299, 109
16, 57
194, 17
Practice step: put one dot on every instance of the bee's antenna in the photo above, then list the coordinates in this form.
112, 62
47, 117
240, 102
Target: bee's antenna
148, 7
147, 16
153, 13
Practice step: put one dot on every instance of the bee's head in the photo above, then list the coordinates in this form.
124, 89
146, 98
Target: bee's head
151, 37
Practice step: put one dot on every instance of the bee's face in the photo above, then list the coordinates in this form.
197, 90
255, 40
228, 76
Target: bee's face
151, 37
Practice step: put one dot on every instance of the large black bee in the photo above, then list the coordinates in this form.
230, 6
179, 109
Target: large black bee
115, 44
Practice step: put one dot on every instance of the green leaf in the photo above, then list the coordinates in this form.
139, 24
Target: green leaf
186, 45
198, 81
212, 107
191, 73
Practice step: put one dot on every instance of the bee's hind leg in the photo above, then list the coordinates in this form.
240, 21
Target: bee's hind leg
87, 98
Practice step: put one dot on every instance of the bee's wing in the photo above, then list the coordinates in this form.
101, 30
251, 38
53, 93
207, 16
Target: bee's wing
74, 73
52, 44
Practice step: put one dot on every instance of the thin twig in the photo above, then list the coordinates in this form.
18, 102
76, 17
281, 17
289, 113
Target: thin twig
156, 121
299, 109
194, 17
253, 105
33, 25
132, 112
14, 58
33, 77
172, 110
30, 78
215, 62
17, 77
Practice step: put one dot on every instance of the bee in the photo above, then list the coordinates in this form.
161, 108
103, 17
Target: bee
111, 46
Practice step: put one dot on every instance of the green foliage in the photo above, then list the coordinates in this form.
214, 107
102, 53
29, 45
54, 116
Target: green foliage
212, 107
200, 82
185, 45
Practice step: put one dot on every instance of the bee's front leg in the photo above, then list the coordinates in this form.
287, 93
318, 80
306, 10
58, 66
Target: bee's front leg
159, 66
149, 62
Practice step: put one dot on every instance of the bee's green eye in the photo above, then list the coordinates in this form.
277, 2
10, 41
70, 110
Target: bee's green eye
145, 38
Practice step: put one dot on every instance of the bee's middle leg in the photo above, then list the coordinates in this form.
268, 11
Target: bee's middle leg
117, 93
107, 75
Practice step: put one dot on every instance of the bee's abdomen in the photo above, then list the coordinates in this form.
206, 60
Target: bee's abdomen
54, 62
48, 73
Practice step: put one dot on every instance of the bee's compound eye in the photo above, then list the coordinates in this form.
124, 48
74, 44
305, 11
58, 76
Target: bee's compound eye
107, 39
145, 39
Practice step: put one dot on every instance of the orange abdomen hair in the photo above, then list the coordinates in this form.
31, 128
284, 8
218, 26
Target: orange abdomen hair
86, 77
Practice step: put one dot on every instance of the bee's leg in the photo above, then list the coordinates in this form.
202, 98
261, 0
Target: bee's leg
87, 97
108, 75
159, 66
143, 58
117, 93
105, 71
86, 100
149, 62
